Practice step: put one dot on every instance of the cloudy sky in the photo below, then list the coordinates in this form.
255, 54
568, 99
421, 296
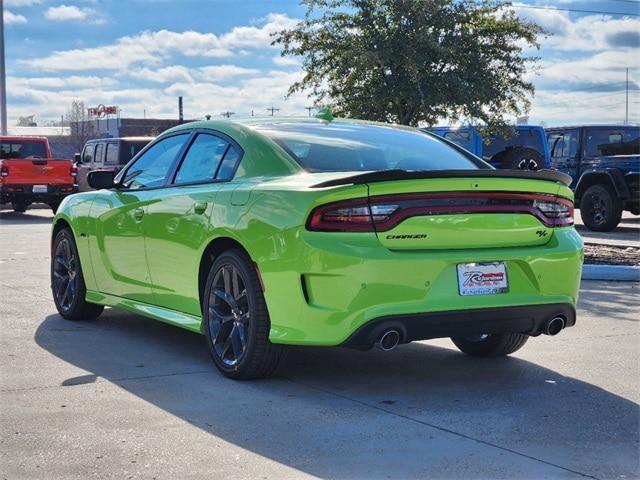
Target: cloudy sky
142, 54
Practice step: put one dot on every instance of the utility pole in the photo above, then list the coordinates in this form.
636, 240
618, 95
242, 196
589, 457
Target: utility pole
3, 76
227, 114
310, 109
180, 112
273, 110
626, 105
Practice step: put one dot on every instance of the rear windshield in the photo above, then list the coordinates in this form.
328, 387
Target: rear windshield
130, 149
22, 149
612, 141
522, 138
343, 147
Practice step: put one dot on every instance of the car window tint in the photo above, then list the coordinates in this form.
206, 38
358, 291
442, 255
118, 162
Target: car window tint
229, 164
461, 138
612, 141
130, 150
98, 156
151, 169
16, 149
526, 138
343, 147
111, 157
87, 155
201, 161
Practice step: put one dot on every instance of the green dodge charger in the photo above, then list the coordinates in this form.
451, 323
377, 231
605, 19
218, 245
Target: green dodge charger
287, 231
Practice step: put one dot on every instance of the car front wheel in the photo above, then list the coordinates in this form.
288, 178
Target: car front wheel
235, 319
490, 345
67, 280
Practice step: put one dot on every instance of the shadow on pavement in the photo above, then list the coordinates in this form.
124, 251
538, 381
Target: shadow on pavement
615, 303
326, 409
30, 217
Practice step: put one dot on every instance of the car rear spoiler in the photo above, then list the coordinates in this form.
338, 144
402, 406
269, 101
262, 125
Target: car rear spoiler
388, 175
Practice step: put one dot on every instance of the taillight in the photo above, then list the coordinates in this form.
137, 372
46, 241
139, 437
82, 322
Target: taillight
386, 212
73, 170
4, 171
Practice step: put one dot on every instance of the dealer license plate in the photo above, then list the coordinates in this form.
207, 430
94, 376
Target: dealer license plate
482, 278
39, 189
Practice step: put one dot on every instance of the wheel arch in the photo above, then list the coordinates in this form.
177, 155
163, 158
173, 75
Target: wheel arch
60, 224
213, 249
607, 177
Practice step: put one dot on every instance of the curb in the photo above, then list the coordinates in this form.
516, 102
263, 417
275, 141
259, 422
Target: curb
620, 273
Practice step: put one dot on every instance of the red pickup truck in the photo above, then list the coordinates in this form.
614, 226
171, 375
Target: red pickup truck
29, 174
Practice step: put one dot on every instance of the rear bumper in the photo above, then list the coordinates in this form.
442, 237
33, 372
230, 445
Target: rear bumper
528, 319
327, 290
25, 193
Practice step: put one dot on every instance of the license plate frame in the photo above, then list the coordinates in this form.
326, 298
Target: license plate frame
482, 278
40, 189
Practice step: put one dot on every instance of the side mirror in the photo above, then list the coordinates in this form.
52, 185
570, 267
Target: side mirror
77, 158
100, 179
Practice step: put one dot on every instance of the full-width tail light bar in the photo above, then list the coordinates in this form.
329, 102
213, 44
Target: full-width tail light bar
382, 213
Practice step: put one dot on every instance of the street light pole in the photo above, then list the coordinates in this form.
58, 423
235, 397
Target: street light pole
3, 76
626, 105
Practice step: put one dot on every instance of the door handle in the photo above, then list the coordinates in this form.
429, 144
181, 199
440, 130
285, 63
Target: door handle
138, 213
200, 207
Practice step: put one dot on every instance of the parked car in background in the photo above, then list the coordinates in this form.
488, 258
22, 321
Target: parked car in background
604, 163
526, 150
29, 174
107, 153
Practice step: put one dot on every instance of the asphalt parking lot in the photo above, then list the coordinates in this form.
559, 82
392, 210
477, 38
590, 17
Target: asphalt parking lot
127, 397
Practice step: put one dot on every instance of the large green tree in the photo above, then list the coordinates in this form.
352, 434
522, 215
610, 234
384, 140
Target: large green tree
411, 61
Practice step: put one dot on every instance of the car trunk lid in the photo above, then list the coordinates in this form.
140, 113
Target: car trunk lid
463, 212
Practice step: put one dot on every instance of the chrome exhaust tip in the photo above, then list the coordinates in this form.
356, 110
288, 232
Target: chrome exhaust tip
388, 340
553, 326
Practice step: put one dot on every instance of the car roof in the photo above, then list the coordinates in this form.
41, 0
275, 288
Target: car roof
17, 138
467, 127
123, 139
595, 125
243, 125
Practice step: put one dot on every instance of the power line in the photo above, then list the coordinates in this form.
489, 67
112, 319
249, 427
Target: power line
576, 10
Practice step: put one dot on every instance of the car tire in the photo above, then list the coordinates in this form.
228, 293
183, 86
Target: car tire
600, 208
495, 345
522, 159
67, 280
20, 207
236, 321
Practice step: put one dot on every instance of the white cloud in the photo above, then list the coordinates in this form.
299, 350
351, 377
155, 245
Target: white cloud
173, 73
13, 18
286, 61
151, 48
225, 72
68, 13
254, 37
59, 82
20, 3
584, 33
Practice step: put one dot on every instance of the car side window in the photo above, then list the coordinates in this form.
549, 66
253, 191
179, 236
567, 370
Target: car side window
153, 166
612, 141
555, 141
202, 159
229, 163
99, 151
111, 157
87, 154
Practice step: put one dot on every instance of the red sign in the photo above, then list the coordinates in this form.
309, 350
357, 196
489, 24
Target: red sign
102, 111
